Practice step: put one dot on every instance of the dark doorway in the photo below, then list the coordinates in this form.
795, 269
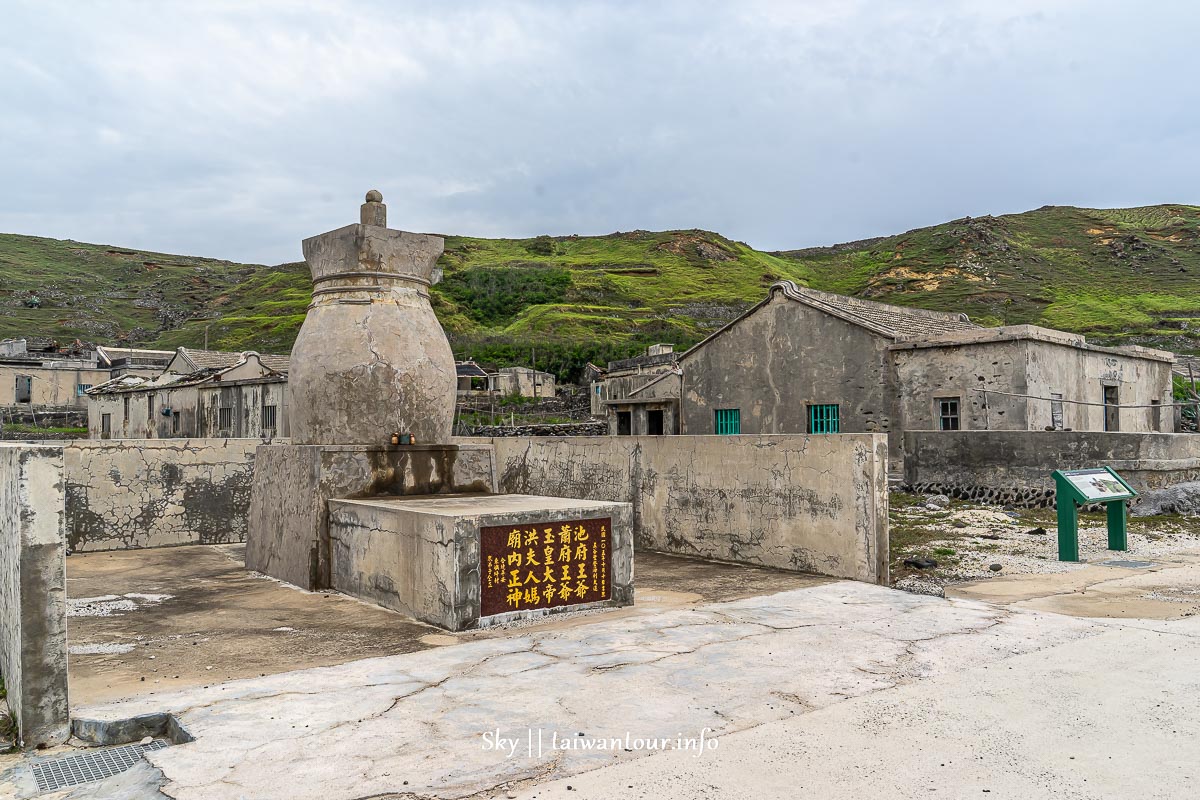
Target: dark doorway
1112, 410
24, 389
654, 422
624, 423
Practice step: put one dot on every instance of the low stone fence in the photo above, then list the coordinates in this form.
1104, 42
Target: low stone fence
129, 493
33, 603
804, 503
572, 429
1014, 467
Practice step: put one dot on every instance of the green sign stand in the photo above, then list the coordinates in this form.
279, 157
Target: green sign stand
1078, 487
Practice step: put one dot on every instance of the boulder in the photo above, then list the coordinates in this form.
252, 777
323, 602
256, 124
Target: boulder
1182, 498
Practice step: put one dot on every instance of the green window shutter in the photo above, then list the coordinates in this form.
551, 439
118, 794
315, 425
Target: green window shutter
728, 421
824, 418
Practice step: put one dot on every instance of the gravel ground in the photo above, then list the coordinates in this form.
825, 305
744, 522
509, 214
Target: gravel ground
967, 539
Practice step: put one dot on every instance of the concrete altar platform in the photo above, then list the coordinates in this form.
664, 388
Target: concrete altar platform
288, 530
474, 560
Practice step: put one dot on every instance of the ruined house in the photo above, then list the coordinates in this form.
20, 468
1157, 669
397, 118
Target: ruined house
624, 377
523, 382
805, 361
202, 393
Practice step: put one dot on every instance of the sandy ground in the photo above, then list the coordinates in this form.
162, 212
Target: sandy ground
143, 622
968, 539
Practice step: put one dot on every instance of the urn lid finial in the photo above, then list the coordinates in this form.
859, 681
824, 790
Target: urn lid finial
374, 212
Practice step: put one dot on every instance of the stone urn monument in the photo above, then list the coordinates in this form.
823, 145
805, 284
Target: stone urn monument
372, 497
371, 359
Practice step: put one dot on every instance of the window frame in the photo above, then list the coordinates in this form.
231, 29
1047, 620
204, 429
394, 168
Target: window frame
727, 421
824, 418
222, 411
271, 410
939, 410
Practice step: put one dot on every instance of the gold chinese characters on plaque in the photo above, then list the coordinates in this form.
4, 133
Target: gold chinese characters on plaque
544, 565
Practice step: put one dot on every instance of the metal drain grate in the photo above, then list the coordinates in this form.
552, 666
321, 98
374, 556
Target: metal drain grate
93, 765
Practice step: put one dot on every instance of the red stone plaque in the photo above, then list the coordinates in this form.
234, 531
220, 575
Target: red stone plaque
544, 565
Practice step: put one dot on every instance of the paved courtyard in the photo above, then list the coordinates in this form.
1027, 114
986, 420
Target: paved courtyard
153, 620
832, 689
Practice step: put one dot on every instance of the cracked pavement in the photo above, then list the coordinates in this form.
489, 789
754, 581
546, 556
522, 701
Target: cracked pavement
413, 725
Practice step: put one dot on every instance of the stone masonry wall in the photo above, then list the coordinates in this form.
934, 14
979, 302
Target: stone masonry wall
805, 503
33, 614
1014, 467
130, 493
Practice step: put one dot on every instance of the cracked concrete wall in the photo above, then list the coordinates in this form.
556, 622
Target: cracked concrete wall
289, 517
804, 503
33, 606
131, 493
1038, 368
1015, 466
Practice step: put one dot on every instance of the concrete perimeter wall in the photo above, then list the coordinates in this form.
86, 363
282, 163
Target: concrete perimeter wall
1014, 466
129, 493
809, 503
33, 605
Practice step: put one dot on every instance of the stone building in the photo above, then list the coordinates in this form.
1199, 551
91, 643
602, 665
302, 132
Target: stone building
524, 382
221, 395
624, 377
804, 361
39, 374
472, 378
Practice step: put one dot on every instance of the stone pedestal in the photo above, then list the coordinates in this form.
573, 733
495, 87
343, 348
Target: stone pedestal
288, 531
467, 561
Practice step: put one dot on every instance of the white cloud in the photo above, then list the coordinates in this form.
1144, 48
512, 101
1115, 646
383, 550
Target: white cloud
235, 129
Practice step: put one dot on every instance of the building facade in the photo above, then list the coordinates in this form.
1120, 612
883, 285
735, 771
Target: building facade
524, 382
804, 361
244, 399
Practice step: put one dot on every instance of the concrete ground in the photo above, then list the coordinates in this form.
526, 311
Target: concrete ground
830, 690
154, 620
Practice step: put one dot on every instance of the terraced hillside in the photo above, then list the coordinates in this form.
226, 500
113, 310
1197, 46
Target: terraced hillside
1120, 275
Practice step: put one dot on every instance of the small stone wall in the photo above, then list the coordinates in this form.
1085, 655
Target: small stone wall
33, 627
573, 429
129, 493
1014, 467
804, 503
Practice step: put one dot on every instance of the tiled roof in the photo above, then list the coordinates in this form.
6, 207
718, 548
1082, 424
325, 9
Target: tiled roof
469, 369
892, 321
219, 359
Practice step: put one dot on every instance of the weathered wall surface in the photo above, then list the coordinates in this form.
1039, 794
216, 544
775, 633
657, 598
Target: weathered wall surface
1030, 367
1081, 375
139, 415
289, 516
132, 493
1014, 466
33, 606
927, 374
783, 358
50, 386
810, 503
422, 557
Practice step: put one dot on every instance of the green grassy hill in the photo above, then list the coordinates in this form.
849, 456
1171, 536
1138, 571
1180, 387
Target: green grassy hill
1121, 276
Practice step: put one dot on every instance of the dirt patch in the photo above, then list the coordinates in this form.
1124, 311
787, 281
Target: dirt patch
967, 539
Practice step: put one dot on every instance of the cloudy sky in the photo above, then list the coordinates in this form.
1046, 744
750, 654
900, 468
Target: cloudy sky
234, 129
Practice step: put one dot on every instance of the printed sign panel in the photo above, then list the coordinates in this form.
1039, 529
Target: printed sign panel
1096, 484
544, 565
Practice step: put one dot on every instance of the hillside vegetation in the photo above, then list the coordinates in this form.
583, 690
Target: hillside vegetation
1120, 275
